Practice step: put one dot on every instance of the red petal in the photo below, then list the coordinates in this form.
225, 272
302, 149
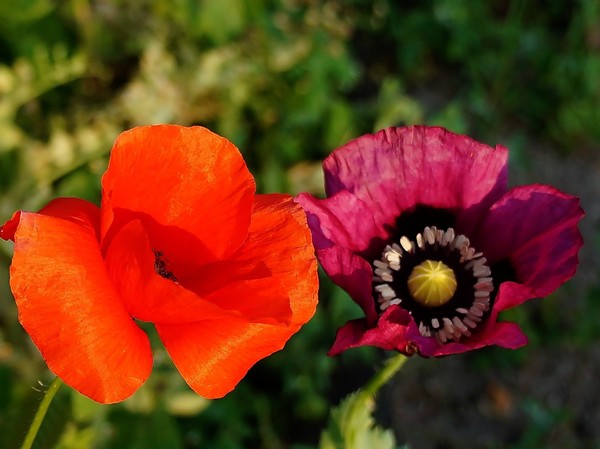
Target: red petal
78, 211
351, 334
274, 274
130, 262
535, 227
8, 229
73, 209
214, 355
189, 186
70, 308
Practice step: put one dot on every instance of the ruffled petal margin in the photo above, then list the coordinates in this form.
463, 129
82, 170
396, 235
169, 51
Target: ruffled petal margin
274, 268
214, 355
535, 228
189, 186
504, 334
372, 180
492, 333
390, 333
334, 248
399, 168
69, 307
396, 330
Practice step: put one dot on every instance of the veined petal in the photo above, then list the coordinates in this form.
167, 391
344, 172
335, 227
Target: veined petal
69, 307
74, 209
512, 294
148, 295
343, 220
214, 355
412, 183
399, 168
396, 331
390, 333
260, 300
273, 273
504, 334
353, 274
189, 186
535, 228
334, 244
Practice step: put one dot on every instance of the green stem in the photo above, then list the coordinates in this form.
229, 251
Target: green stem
367, 393
41, 413
351, 423
391, 367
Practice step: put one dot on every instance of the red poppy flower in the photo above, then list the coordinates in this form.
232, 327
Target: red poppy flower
419, 228
181, 241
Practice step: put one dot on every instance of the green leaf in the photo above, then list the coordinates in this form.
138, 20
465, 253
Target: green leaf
352, 426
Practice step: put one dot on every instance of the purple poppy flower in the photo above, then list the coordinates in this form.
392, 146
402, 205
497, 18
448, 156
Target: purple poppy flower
419, 228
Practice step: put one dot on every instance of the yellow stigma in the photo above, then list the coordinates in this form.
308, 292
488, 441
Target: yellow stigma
432, 283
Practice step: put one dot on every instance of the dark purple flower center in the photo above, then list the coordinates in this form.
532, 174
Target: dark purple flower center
456, 312
160, 266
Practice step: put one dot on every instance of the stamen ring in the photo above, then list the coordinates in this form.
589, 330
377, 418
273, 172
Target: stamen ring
439, 278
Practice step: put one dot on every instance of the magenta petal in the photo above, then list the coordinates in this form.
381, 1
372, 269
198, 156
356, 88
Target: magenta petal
351, 273
504, 334
344, 220
535, 227
332, 240
397, 331
390, 333
398, 168
528, 235
348, 336
507, 335
512, 294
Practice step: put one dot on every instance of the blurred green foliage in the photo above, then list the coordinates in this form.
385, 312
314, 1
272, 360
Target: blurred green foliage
287, 81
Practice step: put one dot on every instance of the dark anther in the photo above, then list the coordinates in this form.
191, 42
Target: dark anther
160, 266
411, 348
